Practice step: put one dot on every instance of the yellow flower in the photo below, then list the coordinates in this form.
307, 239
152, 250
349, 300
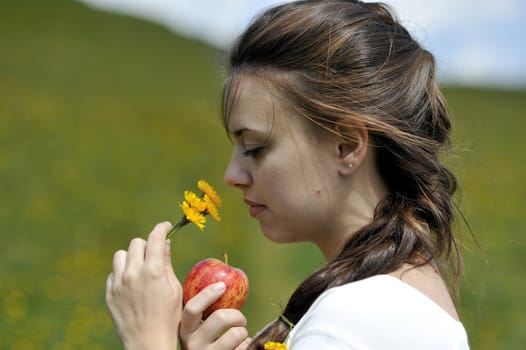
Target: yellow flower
210, 192
194, 201
195, 208
211, 208
270, 345
193, 215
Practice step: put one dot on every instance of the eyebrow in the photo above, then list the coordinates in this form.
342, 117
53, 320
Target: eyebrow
238, 133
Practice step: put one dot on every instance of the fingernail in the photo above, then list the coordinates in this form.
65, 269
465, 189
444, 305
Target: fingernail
245, 343
219, 286
167, 247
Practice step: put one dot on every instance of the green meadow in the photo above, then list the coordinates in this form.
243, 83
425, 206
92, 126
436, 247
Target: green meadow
105, 121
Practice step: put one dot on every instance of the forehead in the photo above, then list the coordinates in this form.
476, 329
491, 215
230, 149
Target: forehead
255, 105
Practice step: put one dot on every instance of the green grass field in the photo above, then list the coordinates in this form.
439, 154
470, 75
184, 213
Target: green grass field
105, 120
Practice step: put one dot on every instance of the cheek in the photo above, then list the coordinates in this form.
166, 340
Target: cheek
305, 193
293, 180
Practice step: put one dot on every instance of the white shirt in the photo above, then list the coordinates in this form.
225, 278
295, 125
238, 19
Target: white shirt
377, 313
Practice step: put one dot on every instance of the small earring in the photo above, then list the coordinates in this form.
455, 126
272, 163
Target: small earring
350, 165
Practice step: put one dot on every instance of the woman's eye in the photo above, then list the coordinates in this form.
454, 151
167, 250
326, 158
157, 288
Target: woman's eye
252, 152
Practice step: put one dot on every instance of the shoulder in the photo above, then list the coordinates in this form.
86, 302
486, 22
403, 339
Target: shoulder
379, 312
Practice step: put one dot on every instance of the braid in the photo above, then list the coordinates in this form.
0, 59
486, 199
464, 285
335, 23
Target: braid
370, 72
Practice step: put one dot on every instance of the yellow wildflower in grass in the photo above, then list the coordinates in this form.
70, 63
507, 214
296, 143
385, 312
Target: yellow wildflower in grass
210, 192
270, 345
195, 208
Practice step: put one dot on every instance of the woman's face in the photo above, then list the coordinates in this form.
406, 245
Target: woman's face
288, 176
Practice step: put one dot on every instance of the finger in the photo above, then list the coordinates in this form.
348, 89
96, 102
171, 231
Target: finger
109, 283
170, 273
167, 252
156, 246
193, 310
222, 320
244, 345
135, 253
119, 263
232, 338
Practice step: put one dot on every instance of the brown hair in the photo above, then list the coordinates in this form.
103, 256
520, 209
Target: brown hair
342, 64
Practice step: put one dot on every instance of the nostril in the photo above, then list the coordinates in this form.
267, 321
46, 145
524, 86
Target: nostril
237, 176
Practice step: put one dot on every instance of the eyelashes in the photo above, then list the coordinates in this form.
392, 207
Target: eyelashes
253, 152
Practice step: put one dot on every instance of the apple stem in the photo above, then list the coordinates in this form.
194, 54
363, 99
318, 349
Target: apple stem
225, 256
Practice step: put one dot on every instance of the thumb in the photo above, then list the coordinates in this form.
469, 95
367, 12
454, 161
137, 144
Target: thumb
167, 252
244, 345
168, 267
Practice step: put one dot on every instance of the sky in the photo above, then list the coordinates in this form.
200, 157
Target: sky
475, 42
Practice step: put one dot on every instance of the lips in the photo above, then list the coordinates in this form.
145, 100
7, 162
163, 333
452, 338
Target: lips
254, 209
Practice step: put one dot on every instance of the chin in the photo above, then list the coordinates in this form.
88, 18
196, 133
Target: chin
278, 236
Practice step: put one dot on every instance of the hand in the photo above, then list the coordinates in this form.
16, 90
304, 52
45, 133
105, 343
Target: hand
143, 294
224, 329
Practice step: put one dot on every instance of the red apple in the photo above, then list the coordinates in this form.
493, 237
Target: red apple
210, 271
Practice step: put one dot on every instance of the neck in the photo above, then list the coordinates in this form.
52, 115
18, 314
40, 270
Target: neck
366, 189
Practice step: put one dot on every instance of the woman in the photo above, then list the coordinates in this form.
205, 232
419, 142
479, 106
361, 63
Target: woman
338, 125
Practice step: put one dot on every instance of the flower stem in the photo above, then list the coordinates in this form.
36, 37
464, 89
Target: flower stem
177, 226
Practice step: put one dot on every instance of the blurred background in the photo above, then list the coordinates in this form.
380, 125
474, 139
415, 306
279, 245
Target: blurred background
107, 117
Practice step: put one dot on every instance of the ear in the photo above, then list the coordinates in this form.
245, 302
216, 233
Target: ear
352, 151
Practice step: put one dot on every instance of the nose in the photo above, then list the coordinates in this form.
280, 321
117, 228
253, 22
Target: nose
236, 175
